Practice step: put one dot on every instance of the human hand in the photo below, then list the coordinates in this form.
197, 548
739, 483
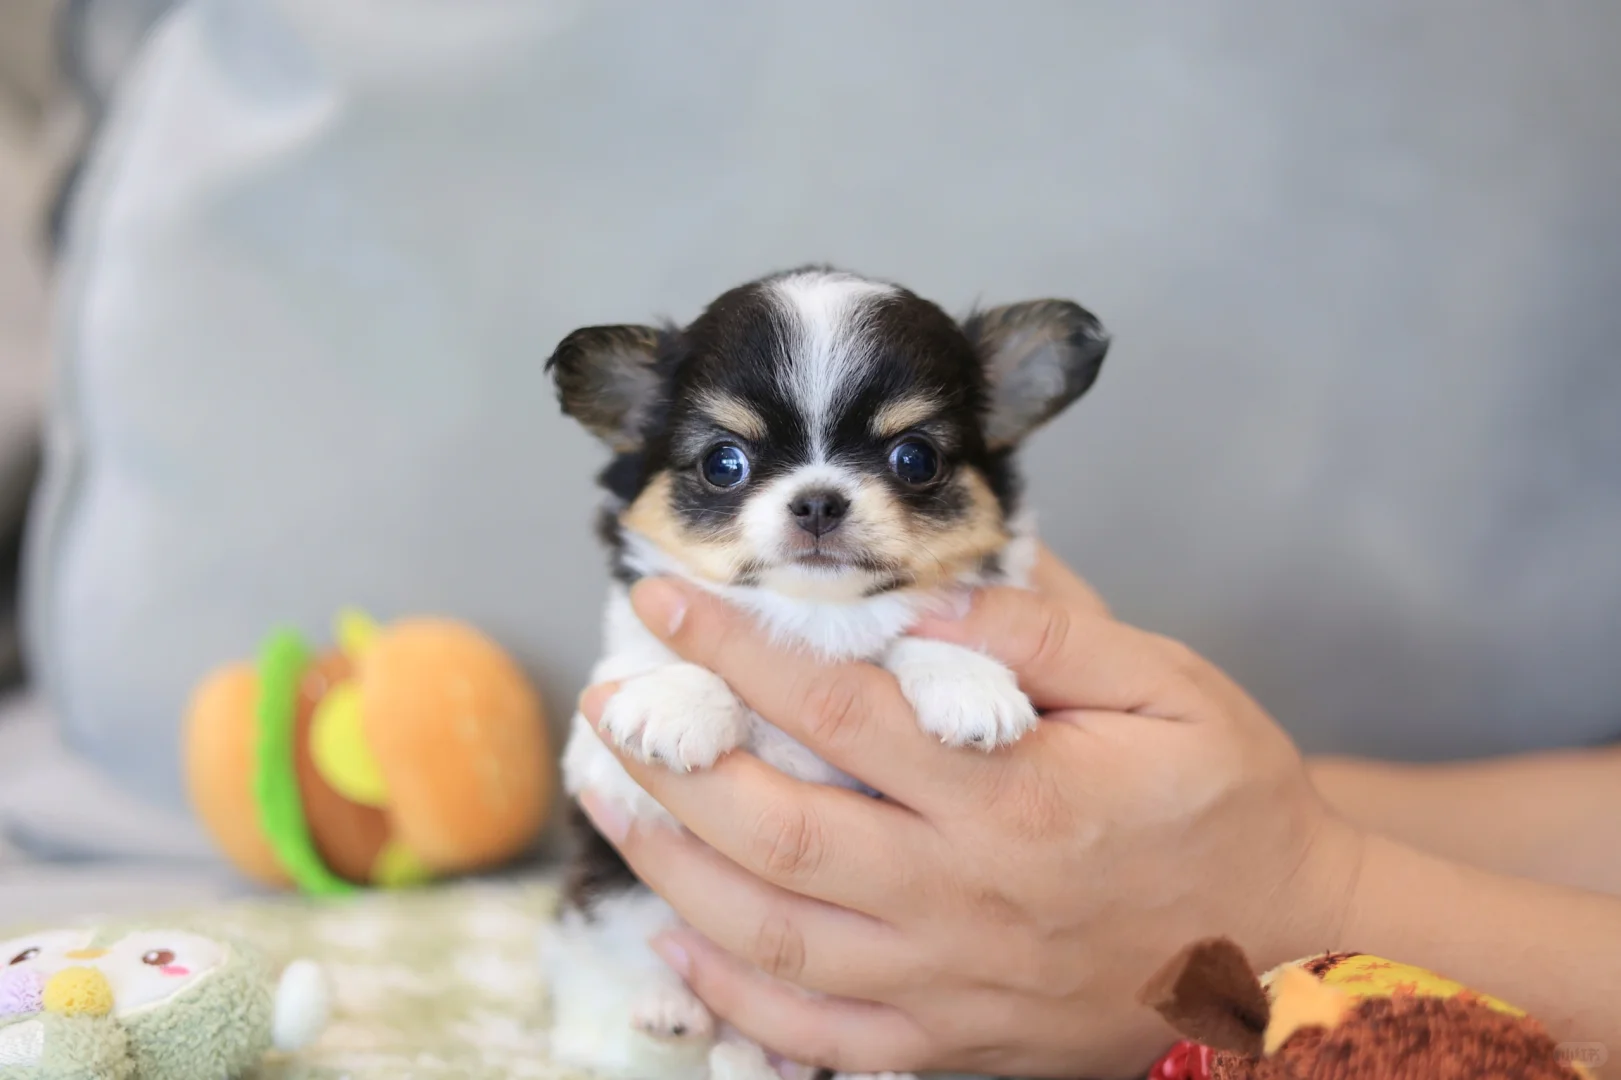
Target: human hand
996, 913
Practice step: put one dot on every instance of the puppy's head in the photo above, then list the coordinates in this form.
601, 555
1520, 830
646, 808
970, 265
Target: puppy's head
823, 435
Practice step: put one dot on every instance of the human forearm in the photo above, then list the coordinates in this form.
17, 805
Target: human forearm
1552, 950
1555, 817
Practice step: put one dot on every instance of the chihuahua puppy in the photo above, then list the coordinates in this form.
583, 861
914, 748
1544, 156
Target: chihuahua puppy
833, 455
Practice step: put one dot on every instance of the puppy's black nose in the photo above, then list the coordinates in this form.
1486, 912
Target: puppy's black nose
819, 512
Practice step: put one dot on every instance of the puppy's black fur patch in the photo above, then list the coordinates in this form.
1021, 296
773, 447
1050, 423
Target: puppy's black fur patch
597, 869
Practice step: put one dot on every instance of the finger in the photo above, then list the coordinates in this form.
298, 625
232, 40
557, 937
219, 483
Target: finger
851, 715
1052, 578
790, 937
812, 839
832, 1033
1073, 658
594, 698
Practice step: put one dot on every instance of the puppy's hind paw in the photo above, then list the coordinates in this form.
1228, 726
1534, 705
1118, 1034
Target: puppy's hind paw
740, 1061
673, 1015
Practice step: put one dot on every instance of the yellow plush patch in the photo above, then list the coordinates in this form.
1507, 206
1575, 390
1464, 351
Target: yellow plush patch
1300, 1001
78, 991
397, 868
339, 749
1371, 976
355, 632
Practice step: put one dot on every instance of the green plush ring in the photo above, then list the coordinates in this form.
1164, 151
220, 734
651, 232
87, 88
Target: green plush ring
282, 660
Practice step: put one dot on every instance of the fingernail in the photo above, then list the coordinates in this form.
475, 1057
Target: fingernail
673, 954
659, 603
609, 817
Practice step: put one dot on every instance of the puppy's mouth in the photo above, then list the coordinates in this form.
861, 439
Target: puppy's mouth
825, 552
827, 560
837, 557
823, 559
838, 574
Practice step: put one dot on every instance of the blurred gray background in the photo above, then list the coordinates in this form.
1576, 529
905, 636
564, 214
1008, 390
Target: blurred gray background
1359, 438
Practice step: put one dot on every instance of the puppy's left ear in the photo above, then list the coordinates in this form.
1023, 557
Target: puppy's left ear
1039, 356
609, 379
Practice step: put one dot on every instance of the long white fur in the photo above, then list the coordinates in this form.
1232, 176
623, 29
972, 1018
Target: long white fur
827, 310
605, 980
601, 973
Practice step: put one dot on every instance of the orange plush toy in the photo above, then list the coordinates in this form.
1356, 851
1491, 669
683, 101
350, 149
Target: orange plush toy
408, 752
1343, 1016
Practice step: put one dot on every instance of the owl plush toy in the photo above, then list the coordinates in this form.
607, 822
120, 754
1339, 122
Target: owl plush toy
1341, 1016
148, 1005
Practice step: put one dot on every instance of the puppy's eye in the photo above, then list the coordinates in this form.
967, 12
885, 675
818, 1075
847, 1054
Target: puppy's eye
914, 461
23, 957
158, 958
726, 466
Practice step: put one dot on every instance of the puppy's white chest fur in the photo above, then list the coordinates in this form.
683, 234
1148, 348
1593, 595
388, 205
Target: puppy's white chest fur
682, 716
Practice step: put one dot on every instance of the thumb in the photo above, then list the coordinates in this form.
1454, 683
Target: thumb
1074, 656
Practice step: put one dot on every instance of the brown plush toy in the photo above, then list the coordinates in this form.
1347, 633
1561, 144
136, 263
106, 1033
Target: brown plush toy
409, 752
1340, 1016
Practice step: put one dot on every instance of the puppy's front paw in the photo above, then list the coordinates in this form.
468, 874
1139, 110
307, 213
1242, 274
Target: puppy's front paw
681, 715
673, 1013
964, 697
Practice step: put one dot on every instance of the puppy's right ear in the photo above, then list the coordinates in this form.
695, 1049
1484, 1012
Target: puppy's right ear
609, 379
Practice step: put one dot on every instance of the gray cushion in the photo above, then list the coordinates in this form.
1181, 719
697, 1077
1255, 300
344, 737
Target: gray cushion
1357, 438
55, 804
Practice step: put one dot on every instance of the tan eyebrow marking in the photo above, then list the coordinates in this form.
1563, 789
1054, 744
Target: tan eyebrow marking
733, 414
896, 416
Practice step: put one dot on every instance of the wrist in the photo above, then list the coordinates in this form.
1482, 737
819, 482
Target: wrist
1320, 898
1415, 907
1408, 900
1548, 949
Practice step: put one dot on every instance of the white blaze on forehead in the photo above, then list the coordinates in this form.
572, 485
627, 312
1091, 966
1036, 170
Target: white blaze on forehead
829, 346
